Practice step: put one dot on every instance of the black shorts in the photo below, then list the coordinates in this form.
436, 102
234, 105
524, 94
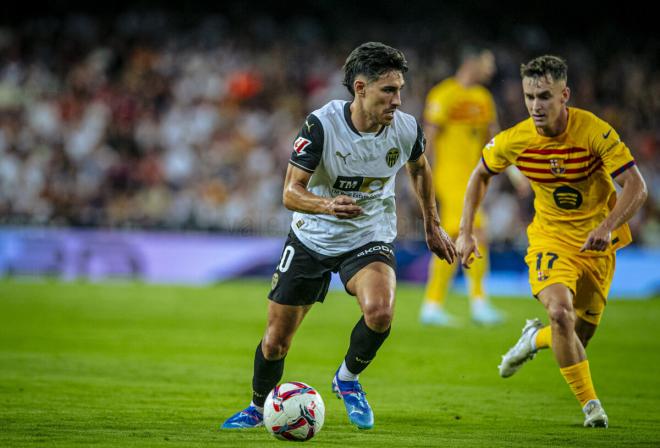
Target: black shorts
302, 276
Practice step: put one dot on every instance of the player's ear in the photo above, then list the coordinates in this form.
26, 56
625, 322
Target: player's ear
359, 87
565, 95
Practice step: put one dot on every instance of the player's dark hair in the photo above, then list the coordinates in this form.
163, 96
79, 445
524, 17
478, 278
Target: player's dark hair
545, 65
372, 59
469, 51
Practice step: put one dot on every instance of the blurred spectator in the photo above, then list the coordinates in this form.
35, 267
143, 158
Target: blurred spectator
141, 123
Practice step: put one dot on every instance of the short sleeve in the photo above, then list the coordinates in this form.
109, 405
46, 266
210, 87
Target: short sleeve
420, 145
494, 155
607, 145
308, 145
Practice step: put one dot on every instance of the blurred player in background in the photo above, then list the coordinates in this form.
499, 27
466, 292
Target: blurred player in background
340, 185
570, 157
459, 119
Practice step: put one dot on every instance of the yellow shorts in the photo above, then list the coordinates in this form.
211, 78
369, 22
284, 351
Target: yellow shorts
450, 216
589, 277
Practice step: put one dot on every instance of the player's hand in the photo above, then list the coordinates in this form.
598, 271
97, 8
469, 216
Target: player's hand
344, 207
599, 240
440, 244
466, 245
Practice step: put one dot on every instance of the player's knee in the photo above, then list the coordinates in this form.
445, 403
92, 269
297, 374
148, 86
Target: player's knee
562, 317
379, 317
274, 349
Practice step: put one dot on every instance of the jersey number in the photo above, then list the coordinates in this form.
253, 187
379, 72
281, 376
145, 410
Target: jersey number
287, 256
539, 259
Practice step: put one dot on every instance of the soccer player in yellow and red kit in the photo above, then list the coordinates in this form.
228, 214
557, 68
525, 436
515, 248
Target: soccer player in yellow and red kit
459, 119
570, 157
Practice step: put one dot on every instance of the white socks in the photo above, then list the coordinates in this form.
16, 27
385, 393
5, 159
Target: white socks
345, 375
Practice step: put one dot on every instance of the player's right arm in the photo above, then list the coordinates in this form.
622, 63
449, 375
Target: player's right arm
466, 243
297, 198
305, 157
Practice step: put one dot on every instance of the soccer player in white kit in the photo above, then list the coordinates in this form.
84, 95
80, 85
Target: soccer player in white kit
340, 185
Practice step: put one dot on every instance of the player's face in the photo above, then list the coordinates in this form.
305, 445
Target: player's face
487, 66
383, 96
545, 99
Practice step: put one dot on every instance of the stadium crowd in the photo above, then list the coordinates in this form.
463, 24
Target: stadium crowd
135, 123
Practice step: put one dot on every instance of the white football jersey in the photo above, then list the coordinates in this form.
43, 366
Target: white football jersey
361, 165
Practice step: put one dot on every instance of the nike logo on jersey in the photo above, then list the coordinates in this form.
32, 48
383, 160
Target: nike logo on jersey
309, 126
343, 157
591, 313
607, 134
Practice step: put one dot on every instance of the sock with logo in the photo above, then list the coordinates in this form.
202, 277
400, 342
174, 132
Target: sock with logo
543, 338
578, 377
266, 376
363, 347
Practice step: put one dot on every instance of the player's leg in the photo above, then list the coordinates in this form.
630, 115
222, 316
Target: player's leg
483, 312
569, 351
546, 269
433, 311
589, 304
300, 280
283, 321
369, 274
374, 287
558, 302
441, 273
584, 331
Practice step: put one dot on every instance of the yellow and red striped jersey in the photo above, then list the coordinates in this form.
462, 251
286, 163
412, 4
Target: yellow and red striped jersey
571, 175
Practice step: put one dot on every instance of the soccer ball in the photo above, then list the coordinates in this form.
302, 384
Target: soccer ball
294, 411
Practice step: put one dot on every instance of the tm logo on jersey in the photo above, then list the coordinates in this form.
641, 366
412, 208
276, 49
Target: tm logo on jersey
360, 187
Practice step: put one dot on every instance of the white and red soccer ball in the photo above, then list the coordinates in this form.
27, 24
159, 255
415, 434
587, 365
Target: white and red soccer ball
294, 411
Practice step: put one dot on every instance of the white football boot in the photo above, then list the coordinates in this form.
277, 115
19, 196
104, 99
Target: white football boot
594, 415
523, 351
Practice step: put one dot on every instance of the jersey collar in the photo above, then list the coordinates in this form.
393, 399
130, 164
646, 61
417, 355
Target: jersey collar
349, 121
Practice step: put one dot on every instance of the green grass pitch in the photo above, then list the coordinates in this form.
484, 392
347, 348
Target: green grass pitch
131, 365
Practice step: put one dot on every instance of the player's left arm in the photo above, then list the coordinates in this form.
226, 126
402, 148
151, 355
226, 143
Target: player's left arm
436, 238
633, 195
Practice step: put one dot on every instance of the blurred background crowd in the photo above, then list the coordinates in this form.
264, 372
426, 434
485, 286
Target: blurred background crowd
147, 119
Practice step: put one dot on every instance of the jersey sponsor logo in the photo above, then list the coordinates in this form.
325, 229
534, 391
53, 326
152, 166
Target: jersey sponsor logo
392, 156
381, 248
342, 156
345, 183
300, 144
607, 134
491, 143
309, 126
557, 167
364, 187
567, 198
